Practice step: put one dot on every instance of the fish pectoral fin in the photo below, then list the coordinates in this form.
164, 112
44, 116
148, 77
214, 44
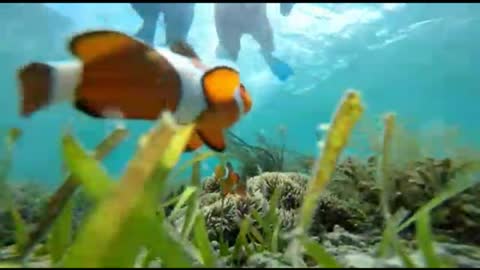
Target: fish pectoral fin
213, 137
194, 143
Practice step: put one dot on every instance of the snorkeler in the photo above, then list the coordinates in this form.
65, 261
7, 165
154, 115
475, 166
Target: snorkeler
234, 20
178, 19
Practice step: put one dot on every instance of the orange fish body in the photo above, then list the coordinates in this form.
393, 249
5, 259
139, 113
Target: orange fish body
229, 184
241, 189
230, 180
116, 72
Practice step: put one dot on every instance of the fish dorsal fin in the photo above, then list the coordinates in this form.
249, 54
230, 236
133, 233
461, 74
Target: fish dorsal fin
219, 84
92, 45
183, 48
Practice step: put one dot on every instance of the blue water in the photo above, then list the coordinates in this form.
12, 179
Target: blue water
419, 60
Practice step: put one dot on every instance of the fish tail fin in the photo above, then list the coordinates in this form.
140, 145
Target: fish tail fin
42, 84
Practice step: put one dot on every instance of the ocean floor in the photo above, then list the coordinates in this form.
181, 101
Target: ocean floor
348, 221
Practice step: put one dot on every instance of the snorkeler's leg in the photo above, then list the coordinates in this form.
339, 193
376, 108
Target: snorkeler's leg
178, 21
286, 8
149, 14
262, 32
228, 48
228, 34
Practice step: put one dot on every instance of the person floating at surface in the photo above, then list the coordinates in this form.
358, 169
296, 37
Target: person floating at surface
178, 19
234, 20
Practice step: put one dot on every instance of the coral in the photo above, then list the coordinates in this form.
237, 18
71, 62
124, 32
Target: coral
423, 180
351, 200
333, 211
460, 216
176, 192
420, 182
292, 187
209, 198
288, 219
415, 183
222, 217
354, 182
30, 199
211, 185
354, 179
82, 204
330, 211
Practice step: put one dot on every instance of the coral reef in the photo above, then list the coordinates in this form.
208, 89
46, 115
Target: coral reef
292, 186
210, 185
351, 199
330, 211
30, 199
347, 220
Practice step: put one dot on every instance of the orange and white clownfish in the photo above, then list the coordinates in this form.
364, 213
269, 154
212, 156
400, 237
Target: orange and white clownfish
114, 71
241, 188
229, 179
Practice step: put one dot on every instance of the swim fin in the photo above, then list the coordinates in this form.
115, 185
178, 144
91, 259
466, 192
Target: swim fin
279, 68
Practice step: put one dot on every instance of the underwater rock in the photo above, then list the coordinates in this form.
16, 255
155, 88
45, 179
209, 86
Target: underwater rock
354, 251
266, 260
339, 236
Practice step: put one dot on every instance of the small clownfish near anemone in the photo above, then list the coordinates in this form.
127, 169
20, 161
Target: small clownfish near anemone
116, 71
230, 180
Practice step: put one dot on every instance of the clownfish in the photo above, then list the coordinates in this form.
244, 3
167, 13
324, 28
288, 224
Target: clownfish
241, 188
114, 71
229, 179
